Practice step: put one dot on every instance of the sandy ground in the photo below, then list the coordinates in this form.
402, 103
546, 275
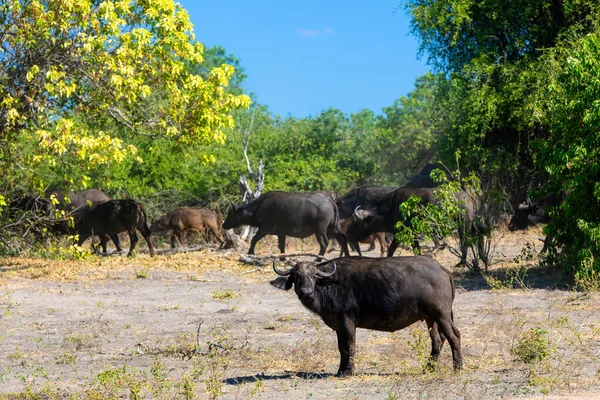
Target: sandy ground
204, 325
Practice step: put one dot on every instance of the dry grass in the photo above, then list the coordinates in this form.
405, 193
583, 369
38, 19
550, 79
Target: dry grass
93, 329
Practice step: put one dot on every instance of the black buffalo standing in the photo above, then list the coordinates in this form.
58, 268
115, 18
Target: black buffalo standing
384, 216
75, 204
384, 294
289, 214
364, 196
112, 217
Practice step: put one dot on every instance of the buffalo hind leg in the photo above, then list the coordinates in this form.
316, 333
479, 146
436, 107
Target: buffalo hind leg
437, 341
323, 242
146, 233
447, 328
133, 239
347, 347
343, 240
392, 247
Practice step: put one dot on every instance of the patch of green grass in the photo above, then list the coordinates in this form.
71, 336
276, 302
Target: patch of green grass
143, 273
533, 346
224, 295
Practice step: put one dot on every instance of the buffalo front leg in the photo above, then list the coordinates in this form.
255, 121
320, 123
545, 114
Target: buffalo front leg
173, 240
393, 246
343, 240
259, 235
103, 243
281, 242
347, 347
115, 238
382, 244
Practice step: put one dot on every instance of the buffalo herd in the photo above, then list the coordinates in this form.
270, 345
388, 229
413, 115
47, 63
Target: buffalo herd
349, 292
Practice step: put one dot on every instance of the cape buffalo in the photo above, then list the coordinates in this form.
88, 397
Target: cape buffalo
289, 214
76, 204
182, 220
364, 196
423, 178
73, 201
384, 294
111, 218
384, 216
356, 236
530, 213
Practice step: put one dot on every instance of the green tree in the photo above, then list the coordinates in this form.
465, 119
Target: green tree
571, 156
71, 70
407, 132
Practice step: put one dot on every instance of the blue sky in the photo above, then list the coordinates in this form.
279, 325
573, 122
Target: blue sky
302, 57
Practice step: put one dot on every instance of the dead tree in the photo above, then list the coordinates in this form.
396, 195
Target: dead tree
249, 194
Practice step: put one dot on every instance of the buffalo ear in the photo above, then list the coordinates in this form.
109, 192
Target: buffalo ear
283, 283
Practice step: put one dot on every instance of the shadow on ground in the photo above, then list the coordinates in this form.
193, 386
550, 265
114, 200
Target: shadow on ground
529, 277
240, 380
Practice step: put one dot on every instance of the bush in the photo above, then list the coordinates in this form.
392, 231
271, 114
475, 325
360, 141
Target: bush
533, 346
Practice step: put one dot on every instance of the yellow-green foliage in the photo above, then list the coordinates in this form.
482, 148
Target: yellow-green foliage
68, 62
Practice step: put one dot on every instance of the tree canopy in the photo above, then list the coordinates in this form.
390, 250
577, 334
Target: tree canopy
75, 73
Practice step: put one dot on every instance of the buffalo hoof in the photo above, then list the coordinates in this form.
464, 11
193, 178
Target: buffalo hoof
344, 373
430, 366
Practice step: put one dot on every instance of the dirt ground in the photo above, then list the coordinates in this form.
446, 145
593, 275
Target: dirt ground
204, 325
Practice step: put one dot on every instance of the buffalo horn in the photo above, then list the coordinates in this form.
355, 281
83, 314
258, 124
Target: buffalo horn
322, 274
356, 215
278, 271
524, 206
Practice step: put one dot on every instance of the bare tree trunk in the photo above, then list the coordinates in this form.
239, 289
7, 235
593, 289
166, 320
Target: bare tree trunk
259, 179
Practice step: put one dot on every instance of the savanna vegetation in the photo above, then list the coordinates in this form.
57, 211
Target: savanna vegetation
120, 95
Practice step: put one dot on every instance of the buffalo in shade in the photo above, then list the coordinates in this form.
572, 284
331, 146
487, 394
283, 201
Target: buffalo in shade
364, 196
289, 214
384, 215
111, 218
530, 213
423, 178
74, 202
384, 294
